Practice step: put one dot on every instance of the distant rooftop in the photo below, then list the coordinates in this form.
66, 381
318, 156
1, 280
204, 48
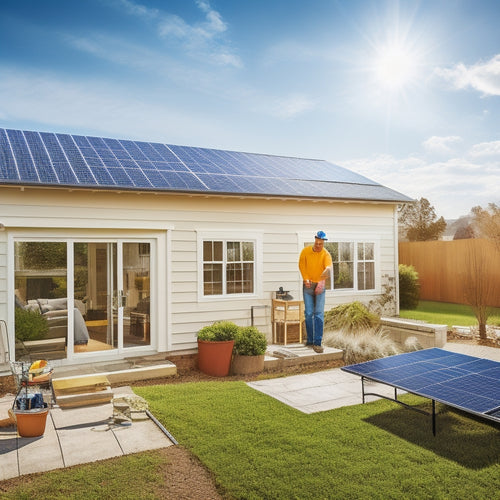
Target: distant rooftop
74, 161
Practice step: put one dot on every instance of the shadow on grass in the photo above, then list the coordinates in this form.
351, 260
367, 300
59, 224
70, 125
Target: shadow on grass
463, 438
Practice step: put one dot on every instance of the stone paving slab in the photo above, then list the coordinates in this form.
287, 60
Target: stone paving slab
320, 391
74, 436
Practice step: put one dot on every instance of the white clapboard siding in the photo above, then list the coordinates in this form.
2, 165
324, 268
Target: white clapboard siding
281, 226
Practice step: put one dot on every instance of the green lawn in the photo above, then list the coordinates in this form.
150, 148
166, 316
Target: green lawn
443, 313
260, 448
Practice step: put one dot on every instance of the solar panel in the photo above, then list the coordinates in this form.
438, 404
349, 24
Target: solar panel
47, 159
465, 382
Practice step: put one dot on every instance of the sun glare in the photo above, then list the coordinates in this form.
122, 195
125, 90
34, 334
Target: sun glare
394, 66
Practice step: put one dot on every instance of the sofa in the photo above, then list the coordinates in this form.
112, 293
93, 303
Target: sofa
56, 313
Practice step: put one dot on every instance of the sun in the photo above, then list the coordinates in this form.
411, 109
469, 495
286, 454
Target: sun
394, 66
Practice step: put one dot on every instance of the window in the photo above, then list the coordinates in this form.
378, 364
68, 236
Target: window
228, 267
353, 265
366, 266
343, 264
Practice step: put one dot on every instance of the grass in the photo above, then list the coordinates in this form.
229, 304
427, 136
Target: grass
129, 477
259, 448
443, 313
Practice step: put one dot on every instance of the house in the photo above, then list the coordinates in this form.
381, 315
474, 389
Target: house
128, 248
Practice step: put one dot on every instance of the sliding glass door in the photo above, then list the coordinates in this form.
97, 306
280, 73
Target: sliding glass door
104, 284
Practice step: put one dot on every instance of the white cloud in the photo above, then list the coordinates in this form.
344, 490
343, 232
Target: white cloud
292, 105
441, 145
138, 10
98, 107
486, 149
453, 187
201, 40
482, 76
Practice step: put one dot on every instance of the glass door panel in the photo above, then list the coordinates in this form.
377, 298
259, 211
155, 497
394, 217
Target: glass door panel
136, 294
95, 286
41, 311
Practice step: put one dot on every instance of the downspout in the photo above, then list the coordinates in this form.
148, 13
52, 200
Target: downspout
396, 258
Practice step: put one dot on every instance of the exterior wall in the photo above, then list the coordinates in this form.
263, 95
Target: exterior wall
280, 226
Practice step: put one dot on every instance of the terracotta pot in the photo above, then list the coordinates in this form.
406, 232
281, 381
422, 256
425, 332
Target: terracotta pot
214, 358
244, 365
31, 423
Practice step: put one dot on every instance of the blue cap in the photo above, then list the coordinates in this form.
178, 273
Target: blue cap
321, 235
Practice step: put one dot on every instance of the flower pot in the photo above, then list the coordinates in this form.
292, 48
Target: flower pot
31, 423
245, 365
214, 357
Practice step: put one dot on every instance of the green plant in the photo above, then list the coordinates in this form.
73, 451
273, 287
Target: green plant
30, 325
409, 287
364, 346
219, 331
351, 318
250, 341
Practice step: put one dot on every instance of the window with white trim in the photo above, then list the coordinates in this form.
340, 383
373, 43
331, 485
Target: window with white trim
353, 265
228, 267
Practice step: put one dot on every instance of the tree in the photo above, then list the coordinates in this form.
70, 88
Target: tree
464, 233
487, 223
419, 221
478, 285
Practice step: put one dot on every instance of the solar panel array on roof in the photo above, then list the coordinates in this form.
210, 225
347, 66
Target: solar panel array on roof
49, 159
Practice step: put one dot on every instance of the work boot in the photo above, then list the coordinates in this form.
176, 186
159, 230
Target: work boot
318, 348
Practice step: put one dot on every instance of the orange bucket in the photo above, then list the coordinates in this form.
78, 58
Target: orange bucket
31, 423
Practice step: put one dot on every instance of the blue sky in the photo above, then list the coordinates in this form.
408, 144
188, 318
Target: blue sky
406, 93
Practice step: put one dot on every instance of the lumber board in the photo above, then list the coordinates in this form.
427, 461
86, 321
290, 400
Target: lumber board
84, 399
80, 385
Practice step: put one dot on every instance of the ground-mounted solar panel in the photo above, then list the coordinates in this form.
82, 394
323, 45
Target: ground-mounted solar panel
465, 382
48, 159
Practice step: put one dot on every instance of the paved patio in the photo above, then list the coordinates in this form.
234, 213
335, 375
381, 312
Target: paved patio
74, 436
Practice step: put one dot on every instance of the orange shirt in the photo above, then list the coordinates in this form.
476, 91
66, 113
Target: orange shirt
312, 264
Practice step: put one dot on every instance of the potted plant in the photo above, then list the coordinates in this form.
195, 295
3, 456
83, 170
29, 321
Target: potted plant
29, 410
215, 348
249, 351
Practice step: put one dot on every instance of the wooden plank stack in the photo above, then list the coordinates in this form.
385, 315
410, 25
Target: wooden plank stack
86, 390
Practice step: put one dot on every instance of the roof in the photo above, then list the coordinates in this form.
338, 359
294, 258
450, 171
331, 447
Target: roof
74, 161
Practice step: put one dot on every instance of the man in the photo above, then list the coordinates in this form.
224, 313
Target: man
315, 263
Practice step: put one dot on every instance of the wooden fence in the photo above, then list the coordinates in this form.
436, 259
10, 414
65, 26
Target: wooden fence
445, 268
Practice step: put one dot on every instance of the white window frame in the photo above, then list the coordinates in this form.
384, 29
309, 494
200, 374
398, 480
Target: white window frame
225, 236
344, 238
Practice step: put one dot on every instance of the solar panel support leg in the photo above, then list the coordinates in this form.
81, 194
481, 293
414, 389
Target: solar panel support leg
434, 417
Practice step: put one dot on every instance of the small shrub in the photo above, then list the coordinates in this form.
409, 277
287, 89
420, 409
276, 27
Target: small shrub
351, 318
30, 325
219, 331
412, 344
250, 341
366, 345
409, 287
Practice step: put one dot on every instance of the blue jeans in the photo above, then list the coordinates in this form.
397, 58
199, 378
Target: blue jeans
314, 312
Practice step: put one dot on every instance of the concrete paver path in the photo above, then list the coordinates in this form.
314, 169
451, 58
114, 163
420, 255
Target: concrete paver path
74, 436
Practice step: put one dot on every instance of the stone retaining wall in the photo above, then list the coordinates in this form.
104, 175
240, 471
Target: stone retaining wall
427, 334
